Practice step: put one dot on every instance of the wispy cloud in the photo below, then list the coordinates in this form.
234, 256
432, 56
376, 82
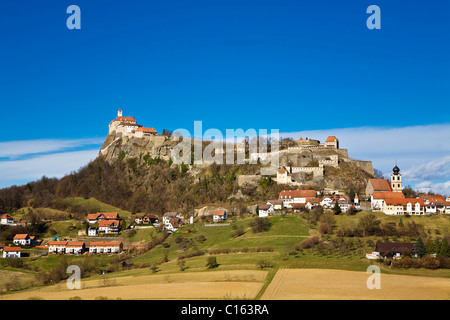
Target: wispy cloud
29, 160
422, 152
51, 165
16, 149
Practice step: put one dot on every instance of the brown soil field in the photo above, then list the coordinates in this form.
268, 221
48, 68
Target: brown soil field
232, 284
319, 284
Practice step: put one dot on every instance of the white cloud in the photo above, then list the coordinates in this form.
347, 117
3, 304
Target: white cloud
431, 170
408, 146
52, 165
439, 187
15, 149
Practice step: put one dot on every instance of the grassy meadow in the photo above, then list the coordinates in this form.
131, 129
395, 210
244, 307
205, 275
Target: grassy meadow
247, 262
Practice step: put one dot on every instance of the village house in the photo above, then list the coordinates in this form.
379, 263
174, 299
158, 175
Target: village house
93, 218
265, 210
24, 239
296, 196
6, 219
344, 203
92, 231
219, 215
393, 250
12, 252
378, 198
276, 204
109, 226
57, 247
311, 203
75, 248
105, 247
146, 219
169, 215
404, 206
174, 224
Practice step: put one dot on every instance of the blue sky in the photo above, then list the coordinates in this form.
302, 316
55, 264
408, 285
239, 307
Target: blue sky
296, 66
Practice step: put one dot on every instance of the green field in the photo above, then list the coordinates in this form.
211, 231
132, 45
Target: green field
276, 247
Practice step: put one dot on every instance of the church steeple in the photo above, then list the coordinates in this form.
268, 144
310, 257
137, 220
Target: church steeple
396, 179
119, 113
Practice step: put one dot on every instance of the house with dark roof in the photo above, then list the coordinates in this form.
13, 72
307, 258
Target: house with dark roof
394, 250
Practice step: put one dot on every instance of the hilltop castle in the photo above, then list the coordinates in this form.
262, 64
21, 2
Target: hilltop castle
128, 126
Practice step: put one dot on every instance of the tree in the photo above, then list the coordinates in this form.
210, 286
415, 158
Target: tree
259, 225
420, 249
212, 263
337, 210
444, 248
369, 225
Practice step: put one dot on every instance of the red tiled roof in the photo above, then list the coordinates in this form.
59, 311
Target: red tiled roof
433, 198
75, 244
129, 119
108, 223
388, 195
10, 249
57, 243
290, 194
403, 201
92, 216
105, 244
312, 200
381, 184
331, 139
20, 236
109, 215
219, 212
146, 130
275, 202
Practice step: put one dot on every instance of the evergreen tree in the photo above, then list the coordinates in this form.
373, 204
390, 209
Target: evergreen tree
444, 248
337, 209
420, 250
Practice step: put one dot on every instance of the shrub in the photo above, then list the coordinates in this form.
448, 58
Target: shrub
430, 262
264, 264
211, 263
260, 225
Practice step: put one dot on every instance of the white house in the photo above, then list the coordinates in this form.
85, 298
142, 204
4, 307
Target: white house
75, 248
405, 206
311, 203
265, 210
219, 215
92, 231
276, 204
105, 247
11, 252
327, 201
57, 247
295, 196
22, 239
109, 226
174, 224
169, 215
6, 220
378, 198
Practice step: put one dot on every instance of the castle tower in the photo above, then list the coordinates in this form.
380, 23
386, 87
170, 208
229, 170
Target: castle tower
356, 200
119, 113
396, 180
